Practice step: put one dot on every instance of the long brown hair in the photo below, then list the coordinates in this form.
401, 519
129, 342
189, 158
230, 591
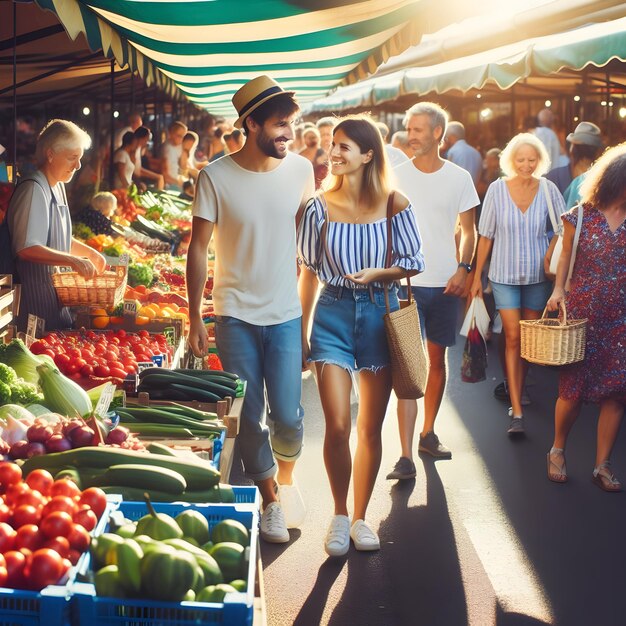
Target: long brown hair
375, 185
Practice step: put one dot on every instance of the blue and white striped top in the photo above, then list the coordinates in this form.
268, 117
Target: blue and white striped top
354, 247
520, 239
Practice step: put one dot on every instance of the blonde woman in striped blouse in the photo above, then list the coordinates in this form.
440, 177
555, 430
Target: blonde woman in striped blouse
514, 223
347, 331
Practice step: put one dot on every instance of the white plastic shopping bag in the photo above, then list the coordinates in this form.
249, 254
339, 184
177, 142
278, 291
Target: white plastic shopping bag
478, 311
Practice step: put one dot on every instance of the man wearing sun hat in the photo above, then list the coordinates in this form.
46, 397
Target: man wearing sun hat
251, 200
585, 144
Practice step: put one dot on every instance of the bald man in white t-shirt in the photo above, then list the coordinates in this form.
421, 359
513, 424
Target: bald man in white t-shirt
251, 201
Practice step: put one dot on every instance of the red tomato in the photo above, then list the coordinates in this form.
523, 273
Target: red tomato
91, 335
70, 369
86, 370
64, 487
57, 524
34, 498
73, 556
100, 348
49, 352
5, 512
61, 360
121, 333
110, 355
40, 480
7, 537
10, 473
79, 539
74, 352
85, 517
16, 562
114, 341
143, 333
29, 537
25, 514
58, 544
59, 503
46, 568
118, 372
102, 371
95, 498
38, 347
87, 352
4, 575
80, 362
14, 491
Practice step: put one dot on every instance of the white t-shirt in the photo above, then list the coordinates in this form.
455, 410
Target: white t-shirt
121, 156
172, 155
255, 236
437, 200
395, 155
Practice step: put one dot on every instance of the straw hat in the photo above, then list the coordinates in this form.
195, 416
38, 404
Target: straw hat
253, 94
586, 133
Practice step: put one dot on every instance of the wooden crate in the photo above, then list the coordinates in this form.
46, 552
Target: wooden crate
7, 300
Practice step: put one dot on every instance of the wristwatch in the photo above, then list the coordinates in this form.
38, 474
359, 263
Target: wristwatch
466, 266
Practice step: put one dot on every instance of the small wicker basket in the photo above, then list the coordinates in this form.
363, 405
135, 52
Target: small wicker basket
105, 290
553, 341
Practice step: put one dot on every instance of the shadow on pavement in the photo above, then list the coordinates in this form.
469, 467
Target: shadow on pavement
417, 568
573, 534
313, 607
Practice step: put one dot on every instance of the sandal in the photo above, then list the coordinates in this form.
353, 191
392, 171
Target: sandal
556, 473
604, 478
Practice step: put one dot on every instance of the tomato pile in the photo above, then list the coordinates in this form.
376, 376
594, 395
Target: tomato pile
44, 526
90, 355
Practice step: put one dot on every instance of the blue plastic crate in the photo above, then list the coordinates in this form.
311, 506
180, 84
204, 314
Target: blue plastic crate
237, 608
218, 445
50, 606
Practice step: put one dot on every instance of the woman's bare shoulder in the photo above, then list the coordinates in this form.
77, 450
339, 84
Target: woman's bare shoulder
400, 202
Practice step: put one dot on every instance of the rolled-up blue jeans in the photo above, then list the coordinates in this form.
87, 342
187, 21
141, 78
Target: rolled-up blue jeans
269, 359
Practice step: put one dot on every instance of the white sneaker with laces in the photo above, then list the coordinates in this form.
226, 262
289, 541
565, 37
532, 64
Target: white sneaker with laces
273, 527
364, 537
337, 542
292, 504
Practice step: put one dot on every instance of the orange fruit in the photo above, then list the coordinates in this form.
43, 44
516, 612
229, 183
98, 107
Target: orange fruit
98, 312
117, 320
173, 307
146, 311
100, 322
140, 320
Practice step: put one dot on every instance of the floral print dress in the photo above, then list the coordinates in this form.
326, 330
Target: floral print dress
598, 293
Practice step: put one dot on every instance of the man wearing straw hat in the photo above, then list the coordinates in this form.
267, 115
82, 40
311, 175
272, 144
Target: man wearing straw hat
251, 200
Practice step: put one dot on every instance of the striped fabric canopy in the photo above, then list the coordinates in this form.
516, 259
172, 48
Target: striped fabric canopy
206, 49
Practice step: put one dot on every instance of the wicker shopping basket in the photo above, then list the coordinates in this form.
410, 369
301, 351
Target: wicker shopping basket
105, 290
553, 341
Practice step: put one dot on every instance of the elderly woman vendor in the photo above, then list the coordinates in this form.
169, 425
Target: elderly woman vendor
41, 228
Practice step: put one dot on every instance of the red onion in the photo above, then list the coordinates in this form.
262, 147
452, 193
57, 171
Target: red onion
118, 435
39, 433
58, 443
18, 450
70, 426
34, 449
81, 436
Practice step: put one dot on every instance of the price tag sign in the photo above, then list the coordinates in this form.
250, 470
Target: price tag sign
106, 397
130, 308
35, 327
64, 269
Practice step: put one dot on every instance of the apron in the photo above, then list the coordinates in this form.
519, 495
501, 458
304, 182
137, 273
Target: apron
39, 296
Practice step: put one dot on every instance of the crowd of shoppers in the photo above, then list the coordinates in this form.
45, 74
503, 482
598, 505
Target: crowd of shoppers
337, 196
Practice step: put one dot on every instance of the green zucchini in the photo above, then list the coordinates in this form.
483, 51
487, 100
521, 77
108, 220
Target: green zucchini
157, 448
142, 477
223, 493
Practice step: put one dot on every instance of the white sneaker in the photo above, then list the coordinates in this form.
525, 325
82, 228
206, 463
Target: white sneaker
273, 527
292, 505
337, 540
363, 536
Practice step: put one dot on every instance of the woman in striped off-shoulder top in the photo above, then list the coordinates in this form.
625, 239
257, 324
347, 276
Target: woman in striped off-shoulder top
343, 243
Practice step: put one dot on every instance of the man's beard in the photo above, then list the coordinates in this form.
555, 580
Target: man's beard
267, 145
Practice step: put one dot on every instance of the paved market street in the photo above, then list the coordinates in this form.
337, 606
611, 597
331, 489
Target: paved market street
482, 539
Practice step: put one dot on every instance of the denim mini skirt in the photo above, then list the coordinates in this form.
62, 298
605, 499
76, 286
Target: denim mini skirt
348, 328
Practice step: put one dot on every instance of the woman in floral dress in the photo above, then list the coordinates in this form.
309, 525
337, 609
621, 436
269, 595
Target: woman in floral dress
598, 293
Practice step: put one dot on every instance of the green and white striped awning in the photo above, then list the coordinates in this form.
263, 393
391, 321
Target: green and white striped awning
206, 49
596, 45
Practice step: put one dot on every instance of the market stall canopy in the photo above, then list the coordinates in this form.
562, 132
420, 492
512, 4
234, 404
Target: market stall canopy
206, 49
596, 45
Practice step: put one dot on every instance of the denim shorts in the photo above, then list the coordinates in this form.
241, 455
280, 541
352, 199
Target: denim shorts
438, 314
348, 328
533, 297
